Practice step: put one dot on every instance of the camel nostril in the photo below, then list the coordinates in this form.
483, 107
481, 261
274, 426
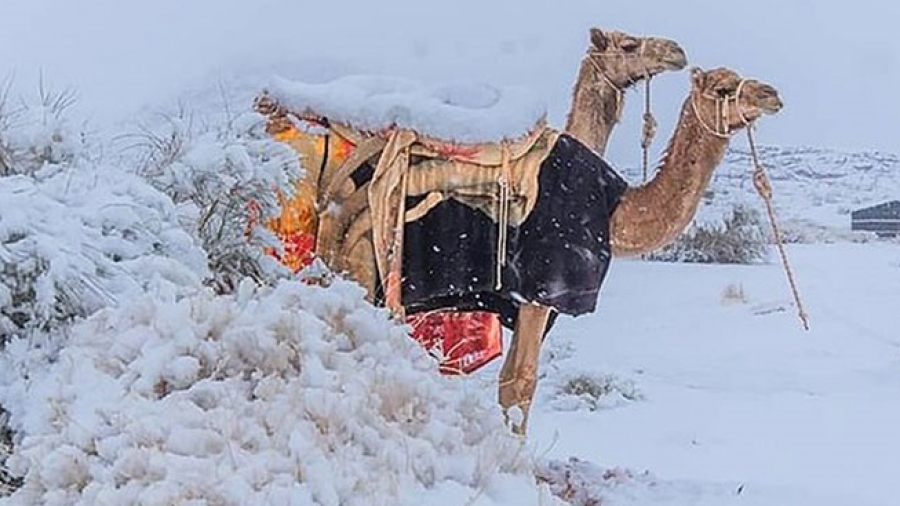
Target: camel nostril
775, 103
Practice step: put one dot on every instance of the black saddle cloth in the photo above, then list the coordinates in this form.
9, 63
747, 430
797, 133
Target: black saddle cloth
558, 257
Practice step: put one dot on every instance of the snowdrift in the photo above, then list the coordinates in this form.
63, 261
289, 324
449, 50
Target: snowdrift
296, 394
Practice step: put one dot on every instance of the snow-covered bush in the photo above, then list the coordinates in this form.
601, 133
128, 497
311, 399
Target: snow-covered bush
581, 483
593, 392
82, 239
34, 134
740, 239
77, 235
294, 394
225, 180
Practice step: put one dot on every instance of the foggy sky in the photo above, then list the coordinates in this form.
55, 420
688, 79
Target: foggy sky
837, 64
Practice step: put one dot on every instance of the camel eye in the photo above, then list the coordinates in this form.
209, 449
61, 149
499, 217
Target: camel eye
629, 45
723, 91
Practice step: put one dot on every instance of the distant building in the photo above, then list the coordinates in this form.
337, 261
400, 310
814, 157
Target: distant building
883, 219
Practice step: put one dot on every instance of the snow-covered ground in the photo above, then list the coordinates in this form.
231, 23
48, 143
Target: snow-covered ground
736, 404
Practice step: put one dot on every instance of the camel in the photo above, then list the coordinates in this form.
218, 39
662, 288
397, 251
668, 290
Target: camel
614, 62
651, 215
720, 102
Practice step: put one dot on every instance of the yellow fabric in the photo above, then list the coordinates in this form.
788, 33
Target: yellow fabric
299, 215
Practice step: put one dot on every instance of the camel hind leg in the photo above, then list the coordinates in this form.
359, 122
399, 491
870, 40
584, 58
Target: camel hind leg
518, 377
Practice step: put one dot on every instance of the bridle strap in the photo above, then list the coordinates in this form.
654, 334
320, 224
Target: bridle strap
619, 90
600, 72
720, 128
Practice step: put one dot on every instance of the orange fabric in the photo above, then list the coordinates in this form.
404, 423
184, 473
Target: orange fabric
462, 341
297, 224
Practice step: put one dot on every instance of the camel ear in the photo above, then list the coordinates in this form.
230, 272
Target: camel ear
698, 77
599, 39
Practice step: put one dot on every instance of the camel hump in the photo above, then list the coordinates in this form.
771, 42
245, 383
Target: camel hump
460, 113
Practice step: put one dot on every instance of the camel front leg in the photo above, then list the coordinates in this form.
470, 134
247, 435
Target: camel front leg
518, 377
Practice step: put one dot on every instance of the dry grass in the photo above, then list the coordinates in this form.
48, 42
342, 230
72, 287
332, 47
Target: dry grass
734, 294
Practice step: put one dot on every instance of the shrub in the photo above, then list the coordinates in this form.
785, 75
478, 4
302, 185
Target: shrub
35, 134
77, 235
595, 392
739, 239
225, 182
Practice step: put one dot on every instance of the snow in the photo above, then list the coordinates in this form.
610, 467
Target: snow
297, 394
88, 238
737, 394
464, 112
692, 384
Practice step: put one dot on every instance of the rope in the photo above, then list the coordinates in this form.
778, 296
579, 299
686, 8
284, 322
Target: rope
764, 188
649, 129
502, 215
760, 179
722, 129
712, 131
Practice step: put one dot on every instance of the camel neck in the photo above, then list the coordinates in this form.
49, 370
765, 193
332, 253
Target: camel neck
596, 107
654, 214
692, 155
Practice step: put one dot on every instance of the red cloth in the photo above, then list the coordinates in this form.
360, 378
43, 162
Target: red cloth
299, 250
462, 341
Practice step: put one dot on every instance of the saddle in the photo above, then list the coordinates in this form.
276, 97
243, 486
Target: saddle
363, 179
496, 178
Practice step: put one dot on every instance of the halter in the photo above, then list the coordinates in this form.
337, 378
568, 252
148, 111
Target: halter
650, 124
721, 129
620, 90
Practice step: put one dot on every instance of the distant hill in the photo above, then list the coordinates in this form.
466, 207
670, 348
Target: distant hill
815, 189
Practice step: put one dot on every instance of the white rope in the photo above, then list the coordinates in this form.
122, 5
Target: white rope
502, 214
764, 188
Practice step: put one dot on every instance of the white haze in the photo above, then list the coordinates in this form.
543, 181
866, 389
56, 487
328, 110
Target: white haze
836, 63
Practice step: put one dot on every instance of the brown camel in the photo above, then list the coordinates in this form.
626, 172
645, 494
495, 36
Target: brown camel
651, 215
614, 62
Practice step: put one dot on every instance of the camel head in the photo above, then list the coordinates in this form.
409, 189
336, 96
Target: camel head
725, 102
625, 59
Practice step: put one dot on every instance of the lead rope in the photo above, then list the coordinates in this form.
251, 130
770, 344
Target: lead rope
764, 188
649, 129
502, 214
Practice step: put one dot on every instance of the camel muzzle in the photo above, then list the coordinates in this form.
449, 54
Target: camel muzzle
769, 100
677, 59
